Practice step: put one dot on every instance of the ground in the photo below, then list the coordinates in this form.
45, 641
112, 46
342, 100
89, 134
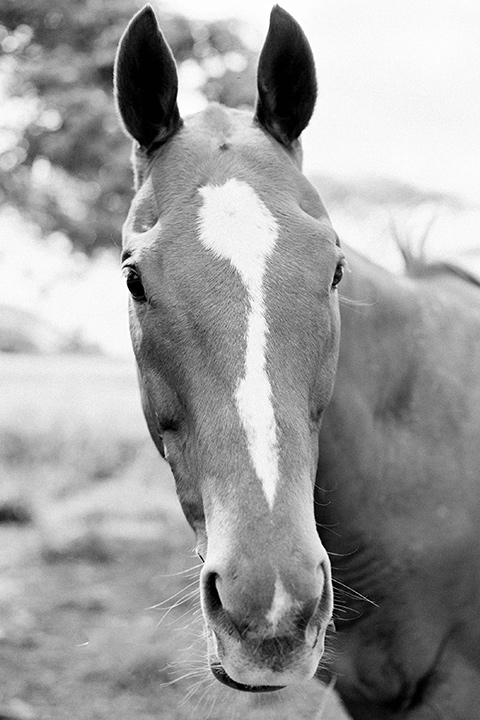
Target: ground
99, 614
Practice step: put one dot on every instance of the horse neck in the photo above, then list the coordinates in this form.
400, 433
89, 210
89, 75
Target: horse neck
374, 385
381, 317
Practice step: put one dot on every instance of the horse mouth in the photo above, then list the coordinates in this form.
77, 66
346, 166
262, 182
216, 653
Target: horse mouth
220, 675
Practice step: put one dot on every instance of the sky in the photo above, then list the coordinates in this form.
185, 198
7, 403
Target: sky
399, 86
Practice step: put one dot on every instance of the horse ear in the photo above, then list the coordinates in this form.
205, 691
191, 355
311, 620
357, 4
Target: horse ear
287, 87
146, 81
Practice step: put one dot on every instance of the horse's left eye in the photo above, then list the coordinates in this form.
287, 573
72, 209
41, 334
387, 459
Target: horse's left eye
135, 285
338, 275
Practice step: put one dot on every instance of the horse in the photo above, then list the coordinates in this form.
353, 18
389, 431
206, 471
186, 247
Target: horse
325, 449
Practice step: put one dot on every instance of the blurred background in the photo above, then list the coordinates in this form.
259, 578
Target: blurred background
91, 536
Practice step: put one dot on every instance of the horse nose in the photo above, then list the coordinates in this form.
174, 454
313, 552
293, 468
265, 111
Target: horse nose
259, 601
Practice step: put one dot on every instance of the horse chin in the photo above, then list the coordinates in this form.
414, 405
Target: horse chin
221, 675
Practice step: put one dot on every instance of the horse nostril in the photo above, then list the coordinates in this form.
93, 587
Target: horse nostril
213, 605
211, 596
319, 606
252, 604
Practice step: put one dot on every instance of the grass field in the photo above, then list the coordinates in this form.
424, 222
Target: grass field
99, 614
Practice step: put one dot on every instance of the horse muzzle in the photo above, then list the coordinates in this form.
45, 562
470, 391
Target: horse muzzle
266, 629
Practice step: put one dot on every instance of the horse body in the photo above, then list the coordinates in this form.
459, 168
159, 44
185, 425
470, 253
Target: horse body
290, 442
398, 495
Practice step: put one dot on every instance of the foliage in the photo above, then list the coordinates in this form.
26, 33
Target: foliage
63, 158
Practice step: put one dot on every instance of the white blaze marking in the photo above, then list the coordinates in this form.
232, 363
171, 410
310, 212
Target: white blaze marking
236, 225
282, 602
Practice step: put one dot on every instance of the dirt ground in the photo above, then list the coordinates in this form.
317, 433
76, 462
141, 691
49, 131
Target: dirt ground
78, 641
99, 613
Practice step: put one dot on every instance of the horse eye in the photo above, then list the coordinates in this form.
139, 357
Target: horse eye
135, 285
338, 275
161, 447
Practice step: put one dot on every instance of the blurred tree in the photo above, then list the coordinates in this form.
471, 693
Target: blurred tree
64, 160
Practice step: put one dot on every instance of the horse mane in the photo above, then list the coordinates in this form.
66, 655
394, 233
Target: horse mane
433, 268
419, 265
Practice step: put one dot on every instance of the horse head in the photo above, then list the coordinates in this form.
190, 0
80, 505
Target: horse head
232, 267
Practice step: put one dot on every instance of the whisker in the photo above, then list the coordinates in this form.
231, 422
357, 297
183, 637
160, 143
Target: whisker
213, 702
192, 569
188, 597
194, 614
354, 593
209, 684
181, 601
193, 620
195, 686
187, 675
176, 605
182, 590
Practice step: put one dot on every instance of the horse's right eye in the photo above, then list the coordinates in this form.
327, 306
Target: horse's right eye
135, 286
339, 271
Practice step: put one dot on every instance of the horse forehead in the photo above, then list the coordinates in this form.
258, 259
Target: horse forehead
221, 188
235, 224
219, 143
226, 225
219, 122
219, 125
212, 147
